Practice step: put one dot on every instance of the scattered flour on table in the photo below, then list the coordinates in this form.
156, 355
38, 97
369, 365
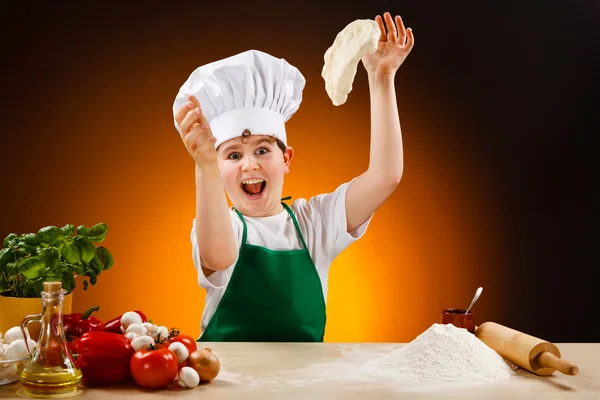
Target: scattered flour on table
442, 354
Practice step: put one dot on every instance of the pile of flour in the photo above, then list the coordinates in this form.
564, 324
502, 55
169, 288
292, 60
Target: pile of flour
442, 354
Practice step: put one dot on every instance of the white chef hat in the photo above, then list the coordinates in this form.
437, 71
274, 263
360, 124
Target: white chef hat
251, 91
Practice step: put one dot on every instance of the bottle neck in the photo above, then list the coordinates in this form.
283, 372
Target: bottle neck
52, 309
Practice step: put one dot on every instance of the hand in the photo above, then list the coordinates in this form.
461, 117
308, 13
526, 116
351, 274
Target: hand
392, 49
196, 133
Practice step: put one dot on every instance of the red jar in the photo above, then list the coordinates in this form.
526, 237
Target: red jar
458, 318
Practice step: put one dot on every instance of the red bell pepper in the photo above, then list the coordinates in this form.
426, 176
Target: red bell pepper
114, 325
77, 324
73, 344
104, 358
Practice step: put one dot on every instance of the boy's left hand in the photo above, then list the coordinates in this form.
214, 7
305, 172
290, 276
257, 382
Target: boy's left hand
392, 49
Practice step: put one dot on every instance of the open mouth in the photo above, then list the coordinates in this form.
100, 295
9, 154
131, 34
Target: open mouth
254, 187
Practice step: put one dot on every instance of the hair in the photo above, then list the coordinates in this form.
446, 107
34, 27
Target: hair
272, 139
279, 143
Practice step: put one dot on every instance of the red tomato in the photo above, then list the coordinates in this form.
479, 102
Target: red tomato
186, 340
164, 344
153, 369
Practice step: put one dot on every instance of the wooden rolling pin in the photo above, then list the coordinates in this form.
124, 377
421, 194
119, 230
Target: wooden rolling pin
528, 352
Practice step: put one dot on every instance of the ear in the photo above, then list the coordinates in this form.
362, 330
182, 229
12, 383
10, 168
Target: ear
288, 154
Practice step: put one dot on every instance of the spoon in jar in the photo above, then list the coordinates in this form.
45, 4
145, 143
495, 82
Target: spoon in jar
477, 294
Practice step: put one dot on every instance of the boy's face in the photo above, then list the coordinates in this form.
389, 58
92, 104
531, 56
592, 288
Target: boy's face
252, 173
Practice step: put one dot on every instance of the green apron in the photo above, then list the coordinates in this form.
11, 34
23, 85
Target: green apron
273, 296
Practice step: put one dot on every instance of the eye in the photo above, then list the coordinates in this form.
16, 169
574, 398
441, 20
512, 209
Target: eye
262, 150
234, 156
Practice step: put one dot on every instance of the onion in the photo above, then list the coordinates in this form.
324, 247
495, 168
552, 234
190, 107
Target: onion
205, 363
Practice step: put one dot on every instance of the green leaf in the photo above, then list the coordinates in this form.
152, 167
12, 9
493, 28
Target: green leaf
37, 288
50, 234
68, 229
8, 241
85, 285
86, 248
24, 249
86, 268
53, 277
105, 256
22, 252
31, 267
31, 239
69, 281
98, 232
82, 230
50, 257
44, 252
96, 265
70, 253
66, 280
78, 268
6, 255
12, 268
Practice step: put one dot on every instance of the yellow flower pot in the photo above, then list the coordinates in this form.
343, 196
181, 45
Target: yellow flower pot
14, 309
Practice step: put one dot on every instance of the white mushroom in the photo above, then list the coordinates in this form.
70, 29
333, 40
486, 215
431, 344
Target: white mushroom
150, 328
162, 332
131, 336
13, 334
142, 341
188, 377
180, 351
138, 329
130, 317
9, 371
17, 350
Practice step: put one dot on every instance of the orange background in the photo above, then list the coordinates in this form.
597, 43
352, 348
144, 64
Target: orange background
91, 139
116, 158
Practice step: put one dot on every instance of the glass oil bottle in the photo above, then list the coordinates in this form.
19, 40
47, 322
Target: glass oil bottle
52, 369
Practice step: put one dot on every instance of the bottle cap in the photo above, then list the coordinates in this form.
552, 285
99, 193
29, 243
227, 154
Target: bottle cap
52, 287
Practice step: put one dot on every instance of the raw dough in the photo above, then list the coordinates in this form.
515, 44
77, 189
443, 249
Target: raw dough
358, 38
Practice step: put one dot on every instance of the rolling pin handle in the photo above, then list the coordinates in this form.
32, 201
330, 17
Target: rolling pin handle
547, 359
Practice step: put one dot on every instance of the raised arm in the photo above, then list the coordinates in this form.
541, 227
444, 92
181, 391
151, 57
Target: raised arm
214, 233
370, 190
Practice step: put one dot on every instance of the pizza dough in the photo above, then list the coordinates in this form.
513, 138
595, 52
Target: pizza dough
358, 38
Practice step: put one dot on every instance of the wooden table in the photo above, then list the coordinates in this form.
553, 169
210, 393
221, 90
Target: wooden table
332, 371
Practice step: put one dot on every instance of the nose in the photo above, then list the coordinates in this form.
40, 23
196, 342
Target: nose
250, 164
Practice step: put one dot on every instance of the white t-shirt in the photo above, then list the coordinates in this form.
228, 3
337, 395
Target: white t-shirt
322, 221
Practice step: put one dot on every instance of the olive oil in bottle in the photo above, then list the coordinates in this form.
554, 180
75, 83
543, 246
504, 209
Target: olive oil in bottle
52, 369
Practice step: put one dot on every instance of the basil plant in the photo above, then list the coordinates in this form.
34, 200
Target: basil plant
52, 254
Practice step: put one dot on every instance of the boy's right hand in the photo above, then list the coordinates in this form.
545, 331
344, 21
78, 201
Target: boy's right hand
196, 133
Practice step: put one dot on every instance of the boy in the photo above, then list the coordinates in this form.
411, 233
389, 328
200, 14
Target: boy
263, 263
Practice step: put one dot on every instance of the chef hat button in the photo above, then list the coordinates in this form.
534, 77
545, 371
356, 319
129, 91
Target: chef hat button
246, 132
